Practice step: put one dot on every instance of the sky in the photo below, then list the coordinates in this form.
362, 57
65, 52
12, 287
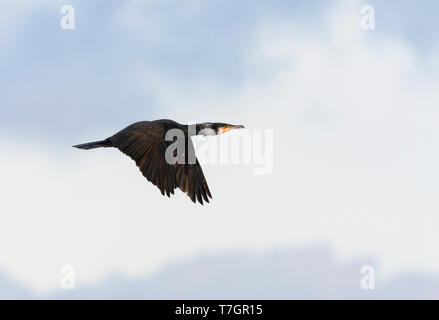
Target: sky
353, 114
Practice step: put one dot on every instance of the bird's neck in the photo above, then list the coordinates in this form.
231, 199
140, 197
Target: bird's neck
202, 129
191, 129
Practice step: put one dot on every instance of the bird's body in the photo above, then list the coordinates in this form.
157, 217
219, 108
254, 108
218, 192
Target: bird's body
148, 143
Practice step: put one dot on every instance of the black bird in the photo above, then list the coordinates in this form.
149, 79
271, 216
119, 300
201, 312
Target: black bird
146, 142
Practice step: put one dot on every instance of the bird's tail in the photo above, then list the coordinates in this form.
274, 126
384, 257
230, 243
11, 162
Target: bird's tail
96, 144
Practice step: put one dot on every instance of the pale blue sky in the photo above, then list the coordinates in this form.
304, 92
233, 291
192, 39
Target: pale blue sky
59, 83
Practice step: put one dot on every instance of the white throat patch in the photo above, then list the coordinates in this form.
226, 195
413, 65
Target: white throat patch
207, 132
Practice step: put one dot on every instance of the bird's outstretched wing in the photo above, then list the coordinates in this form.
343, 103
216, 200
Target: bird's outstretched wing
191, 180
145, 143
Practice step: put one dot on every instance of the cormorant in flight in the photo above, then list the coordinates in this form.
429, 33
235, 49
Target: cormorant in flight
147, 142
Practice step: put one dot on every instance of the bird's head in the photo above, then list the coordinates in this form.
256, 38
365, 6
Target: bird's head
215, 128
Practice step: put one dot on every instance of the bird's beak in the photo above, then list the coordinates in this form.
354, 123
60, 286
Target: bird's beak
228, 128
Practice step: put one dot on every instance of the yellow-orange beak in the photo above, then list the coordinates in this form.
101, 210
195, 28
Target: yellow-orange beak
228, 128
